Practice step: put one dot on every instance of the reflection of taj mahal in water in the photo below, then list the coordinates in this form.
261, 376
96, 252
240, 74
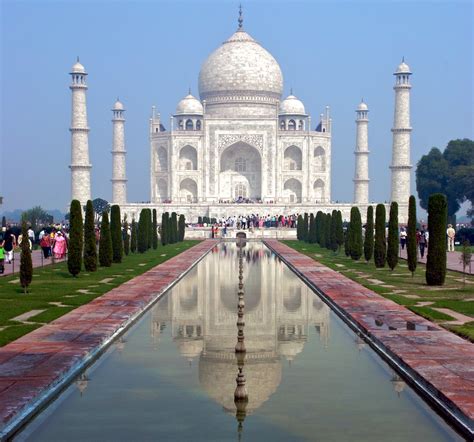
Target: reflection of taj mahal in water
202, 314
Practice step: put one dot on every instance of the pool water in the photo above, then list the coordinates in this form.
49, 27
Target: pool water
172, 376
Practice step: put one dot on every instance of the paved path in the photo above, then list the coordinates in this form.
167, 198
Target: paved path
453, 261
435, 357
37, 259
52, 356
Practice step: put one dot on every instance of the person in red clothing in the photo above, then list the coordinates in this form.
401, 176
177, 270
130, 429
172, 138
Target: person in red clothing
45, 245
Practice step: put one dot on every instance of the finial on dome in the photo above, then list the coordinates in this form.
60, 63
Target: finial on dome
241, 19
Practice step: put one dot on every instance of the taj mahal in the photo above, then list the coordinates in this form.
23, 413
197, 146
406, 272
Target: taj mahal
240, 148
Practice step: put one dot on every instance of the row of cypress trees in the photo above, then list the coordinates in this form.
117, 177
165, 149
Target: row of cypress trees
325, 229
172, 230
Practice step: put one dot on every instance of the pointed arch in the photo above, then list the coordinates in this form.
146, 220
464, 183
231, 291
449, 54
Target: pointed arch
293, 158
162, 159
319, 159
188, 190
188, 158
292, 190
319, 190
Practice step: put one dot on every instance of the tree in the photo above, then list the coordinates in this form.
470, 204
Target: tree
299, 228
164, 228
36, 216
322, 239
437, 219
142, 242
369, 234
393, 240
76, 239
105, 242
347, 250
155, 230
380, 244
311, 231
305, 227
149, 222
134, 239
116, 233
412, 256
181, 228
90, 247
465, 259
173, 225
100, 206
333, 231
318, 226
26, 264
339, 231
355, 234
126, 237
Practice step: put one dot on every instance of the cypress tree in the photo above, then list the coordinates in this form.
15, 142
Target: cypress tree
299, 228
134, 238
305, 227
76, 239
436, 259
339, 231
164, 229
149, 222
200, 220
333, 231
347, 250
155, 230
328, 230
318, 224
323, 230
116, 233
126, 238
105, 243
412, 257
181, 227
26, 263
392, 243
142, 237
311, 229
369, 234
380, 244
355, 234
90, 246
174, 228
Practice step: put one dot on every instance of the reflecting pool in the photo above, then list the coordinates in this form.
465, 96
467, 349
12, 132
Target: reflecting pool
173, 375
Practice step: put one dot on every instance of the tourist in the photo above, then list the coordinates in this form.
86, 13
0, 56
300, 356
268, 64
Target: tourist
2, 257
451, 233
403, 238
422, 241
60, 246
20, 240
45, 244
9, 244
31, 235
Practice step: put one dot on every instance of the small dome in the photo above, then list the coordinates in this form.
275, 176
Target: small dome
292, 106
118, 105
403, 68
77, 68
362, 106
189, 105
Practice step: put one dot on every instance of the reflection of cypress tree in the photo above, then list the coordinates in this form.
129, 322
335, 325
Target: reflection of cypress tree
392, 243
380, 245
142, 232
355, 234
116, 233
26, 264
90, 246
174, 228
369, 234
105, 243
134, 237
76, 238
181, 227
412, 257
155, 230
436, 259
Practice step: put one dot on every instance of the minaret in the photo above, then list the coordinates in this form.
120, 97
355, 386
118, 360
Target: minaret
401, 167
361, 175
119, 180
80, 165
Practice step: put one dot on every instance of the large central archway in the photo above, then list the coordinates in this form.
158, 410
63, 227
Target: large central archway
240, 174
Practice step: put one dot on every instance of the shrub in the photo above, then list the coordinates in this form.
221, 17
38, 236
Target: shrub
142, 242
155, 230
333, 231
311, 231
355, 234
134, 237
393, 241
90, 246
173, 228
26, 264
76, 239
149, 225
305, 227
412, 256
380, 245
319, 226
339, 230
181, 227
369, 234
164, 228
116, 233
105, 243
126, 238
436, 260
347, 250
299, 228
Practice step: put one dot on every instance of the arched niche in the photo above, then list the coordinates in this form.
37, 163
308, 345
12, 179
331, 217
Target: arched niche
319, 159
293, 158
319, 190
292, 190
161, 189
188, 158
162, 159
188, 190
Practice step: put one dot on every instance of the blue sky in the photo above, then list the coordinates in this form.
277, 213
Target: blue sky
150, 52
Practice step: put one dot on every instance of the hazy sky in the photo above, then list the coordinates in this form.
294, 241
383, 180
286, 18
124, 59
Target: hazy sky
150, 52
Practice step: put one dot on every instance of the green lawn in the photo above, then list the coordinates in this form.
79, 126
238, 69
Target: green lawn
53, 284
407, 290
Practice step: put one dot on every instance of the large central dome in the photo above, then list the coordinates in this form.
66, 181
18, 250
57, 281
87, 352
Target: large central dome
240, 70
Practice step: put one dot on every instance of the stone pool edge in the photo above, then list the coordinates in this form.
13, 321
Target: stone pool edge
444, 406
10, 427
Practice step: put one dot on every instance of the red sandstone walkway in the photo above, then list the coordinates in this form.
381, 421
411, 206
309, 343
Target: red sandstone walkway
36, 256
442, 359
452, 261
40, 360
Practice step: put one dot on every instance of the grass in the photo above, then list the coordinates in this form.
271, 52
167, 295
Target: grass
452, 295
53, 284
